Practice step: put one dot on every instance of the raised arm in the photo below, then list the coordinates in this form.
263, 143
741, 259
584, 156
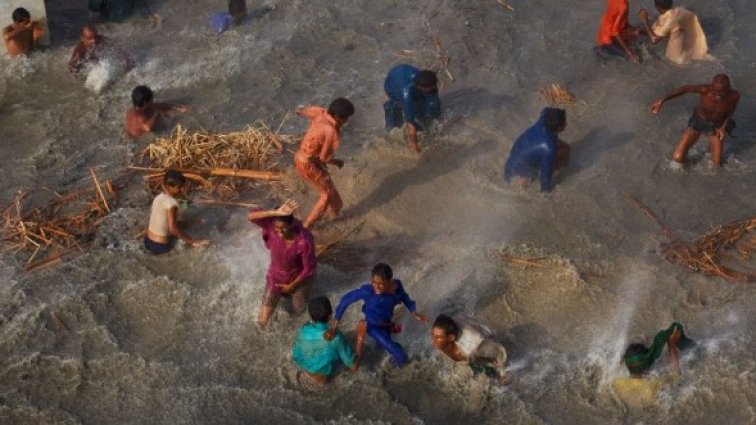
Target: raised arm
287, 208
311, 112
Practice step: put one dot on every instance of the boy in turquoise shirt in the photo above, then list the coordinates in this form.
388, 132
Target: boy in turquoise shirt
315, 356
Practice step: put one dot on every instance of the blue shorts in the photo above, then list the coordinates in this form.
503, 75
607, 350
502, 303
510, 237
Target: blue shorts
158, 248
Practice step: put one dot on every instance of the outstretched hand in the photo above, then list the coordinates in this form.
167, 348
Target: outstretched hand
643, 13
288, 207
420, 317
656, 106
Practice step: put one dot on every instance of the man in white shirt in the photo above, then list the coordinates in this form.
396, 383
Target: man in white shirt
687, 41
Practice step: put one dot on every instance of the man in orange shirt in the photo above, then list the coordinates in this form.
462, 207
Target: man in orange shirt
317, 150
615, 33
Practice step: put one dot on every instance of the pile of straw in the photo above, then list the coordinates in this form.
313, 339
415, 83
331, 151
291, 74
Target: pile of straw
555, 94
708, 253
64, 225
210, 159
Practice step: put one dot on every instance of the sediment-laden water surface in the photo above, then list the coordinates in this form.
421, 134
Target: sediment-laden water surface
114, 336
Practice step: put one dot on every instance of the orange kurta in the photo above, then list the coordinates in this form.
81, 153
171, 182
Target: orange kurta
317, 148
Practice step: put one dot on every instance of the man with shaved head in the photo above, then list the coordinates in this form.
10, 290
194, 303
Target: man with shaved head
712, 117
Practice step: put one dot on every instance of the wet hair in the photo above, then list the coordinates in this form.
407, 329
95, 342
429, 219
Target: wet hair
237, 7
20, 15
447, 324
341, 108
555, 119
426, 78
141, 95
663, 4
721, 78
89, 27
632, 350
173, 178
383, 271
288, 219
320, 309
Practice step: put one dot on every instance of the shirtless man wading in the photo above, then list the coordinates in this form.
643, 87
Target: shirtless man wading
712, 116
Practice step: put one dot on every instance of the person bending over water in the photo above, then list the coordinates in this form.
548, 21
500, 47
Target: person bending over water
687, 40
23, 35
466, 341
292, 258
713, 116
616, 36
93, 48
411, 94
637, 391
145, 114
164, 225
317, 150
539, 149
315, 356
379, 298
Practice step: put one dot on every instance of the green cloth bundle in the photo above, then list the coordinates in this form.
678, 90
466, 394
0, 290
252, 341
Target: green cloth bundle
641, 363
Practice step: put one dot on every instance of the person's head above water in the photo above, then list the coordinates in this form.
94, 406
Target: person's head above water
555, 119
426, 81
634, 359
283, 226
320, 309
721, 84
88, 35
444, 332
173, 182
21, 15
341, 109
142, 96
237, 9
663, 5
380, 277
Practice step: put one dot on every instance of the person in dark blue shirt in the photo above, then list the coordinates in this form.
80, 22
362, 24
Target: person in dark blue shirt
539, 149
379, 298
411, 94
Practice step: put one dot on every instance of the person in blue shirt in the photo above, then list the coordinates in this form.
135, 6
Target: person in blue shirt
379, 298
539, 149
411, 94
222, 21
315, 356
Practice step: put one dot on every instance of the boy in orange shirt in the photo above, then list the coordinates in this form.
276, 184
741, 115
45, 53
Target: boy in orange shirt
615, 34
317, 151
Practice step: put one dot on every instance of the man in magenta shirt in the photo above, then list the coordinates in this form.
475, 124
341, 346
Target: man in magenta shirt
292, 258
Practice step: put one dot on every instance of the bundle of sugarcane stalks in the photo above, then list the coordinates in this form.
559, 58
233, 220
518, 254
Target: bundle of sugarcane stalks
62, 226
709, 252
222, 164
555, 94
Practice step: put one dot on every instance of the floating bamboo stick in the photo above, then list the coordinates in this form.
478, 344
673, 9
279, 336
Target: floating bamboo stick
555, 94
707, 253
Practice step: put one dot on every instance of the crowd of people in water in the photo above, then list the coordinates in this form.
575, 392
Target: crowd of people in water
412, 103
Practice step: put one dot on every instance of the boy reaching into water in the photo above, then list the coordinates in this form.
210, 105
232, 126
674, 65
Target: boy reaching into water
23, 35
145, 114
466, 341
687, 40
164, 225
315, 356
616, 35
638, 391
379, 298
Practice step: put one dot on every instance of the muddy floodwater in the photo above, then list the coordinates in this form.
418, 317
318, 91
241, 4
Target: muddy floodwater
115, 336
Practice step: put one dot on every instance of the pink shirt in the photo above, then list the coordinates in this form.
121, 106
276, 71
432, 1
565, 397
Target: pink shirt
287, 263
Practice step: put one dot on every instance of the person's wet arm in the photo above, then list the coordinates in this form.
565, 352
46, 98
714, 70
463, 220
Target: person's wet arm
77, 59
347, 299
722, 130
311, 112
697, 89
175, 229
410, 304
328, 150
649, 29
